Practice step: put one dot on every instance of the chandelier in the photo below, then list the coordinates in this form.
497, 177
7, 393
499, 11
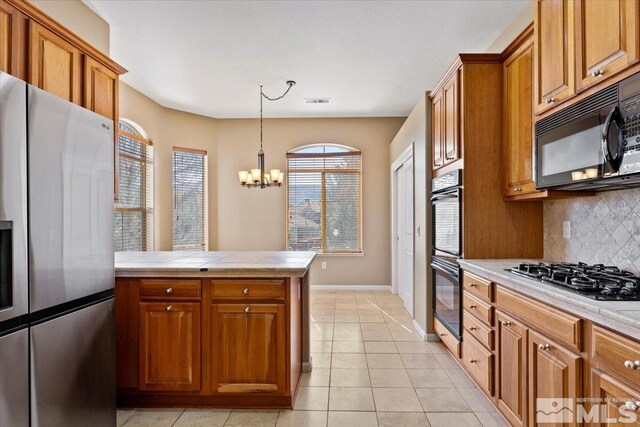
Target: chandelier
256, 177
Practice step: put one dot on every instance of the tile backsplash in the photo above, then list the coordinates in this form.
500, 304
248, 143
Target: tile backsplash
604, 229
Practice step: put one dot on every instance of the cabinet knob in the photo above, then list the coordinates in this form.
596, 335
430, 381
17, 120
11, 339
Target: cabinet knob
473, 285
550, 100
168, 291
633, 406
169, 308
517, 189
246, 309
633, 365
506, 323
473, 328
597, 73
245, 291
443, 335
472, 306
544, 346
473, 361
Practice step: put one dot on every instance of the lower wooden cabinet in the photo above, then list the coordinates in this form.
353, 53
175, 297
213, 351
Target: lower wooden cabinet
621, 401
169, 346
248, 348
511, 349
554, 372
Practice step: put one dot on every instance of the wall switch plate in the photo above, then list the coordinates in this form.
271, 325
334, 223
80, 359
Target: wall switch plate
566, 229
324, 265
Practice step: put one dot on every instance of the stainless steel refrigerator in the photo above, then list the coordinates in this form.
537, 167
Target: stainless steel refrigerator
57, 338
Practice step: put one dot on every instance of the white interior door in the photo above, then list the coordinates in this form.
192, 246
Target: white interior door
404, 227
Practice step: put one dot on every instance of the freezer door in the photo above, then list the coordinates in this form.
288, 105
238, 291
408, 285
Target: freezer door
70, 201
73, 369
13, 197
14, 379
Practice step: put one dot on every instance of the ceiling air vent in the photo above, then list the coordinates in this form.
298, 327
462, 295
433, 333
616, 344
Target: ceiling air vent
317, 100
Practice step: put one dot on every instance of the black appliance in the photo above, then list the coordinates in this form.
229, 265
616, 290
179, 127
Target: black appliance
599, 282
446, 202
594, 144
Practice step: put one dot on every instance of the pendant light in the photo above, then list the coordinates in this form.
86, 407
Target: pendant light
256, 177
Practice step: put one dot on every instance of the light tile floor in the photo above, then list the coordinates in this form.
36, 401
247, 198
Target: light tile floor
370, 368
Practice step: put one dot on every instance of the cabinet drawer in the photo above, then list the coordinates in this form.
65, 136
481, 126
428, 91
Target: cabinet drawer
481, 288
248, 289
552, 322
479, 331
615, 354
170, 289
478, 361
447, 338
481, 310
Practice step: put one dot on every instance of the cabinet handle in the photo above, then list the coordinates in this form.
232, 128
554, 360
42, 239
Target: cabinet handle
633, 365
544, 346
245, 291
473, 285
632, 405
443, 335
169, 308
472, 306
597, 73
246, 309
473, 361
506, 323
473, 328
517, 189
550, 100
168, 291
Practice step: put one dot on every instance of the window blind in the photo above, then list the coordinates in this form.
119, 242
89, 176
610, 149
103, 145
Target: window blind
133, 216
324, 202
189, 199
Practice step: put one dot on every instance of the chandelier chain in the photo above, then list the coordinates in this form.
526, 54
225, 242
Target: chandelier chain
262, 95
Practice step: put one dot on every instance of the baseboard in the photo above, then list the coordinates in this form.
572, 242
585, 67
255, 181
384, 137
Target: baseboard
386, 288
419, 330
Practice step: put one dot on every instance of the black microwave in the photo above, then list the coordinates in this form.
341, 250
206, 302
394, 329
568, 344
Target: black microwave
593, 144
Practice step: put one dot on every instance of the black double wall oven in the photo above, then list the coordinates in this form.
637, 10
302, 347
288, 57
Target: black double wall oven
446, 203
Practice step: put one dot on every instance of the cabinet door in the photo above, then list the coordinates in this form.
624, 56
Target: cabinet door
12, 40
437, 120
512, 369
606, 38
248, 348
554, 374
451, 119
169, 346
518, 114
100, 89
554, 52
621, 402
54, 64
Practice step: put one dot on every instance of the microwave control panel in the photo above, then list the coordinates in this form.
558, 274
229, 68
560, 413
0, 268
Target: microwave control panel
630, 109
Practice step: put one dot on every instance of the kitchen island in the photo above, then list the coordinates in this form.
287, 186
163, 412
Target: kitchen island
211, 329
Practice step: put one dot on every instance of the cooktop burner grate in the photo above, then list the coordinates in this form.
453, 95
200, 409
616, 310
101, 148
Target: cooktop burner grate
598, 281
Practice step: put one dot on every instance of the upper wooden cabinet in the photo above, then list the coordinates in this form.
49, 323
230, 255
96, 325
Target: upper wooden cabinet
518, 119
12, 40
54, 64
554, 52
606, 38
100, 89
248, 348
446, 121
436, 130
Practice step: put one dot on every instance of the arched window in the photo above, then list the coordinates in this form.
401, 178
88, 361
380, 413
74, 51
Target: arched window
324, 199
133, 221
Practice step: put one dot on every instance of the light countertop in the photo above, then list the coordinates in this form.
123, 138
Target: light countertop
213, 264
621, 316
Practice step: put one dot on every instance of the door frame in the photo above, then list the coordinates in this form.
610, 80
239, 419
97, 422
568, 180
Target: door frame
395, 166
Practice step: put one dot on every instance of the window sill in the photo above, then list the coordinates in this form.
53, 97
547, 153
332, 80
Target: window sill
330, 255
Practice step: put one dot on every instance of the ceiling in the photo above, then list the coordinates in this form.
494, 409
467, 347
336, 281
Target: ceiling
372, 58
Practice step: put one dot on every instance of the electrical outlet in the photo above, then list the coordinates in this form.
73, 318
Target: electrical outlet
566, 229
324, 265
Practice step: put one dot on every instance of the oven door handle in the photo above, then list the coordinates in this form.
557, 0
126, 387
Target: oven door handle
442, 267
450, 194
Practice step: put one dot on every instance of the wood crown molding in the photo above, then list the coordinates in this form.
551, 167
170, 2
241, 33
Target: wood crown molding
517, 42
32, 12
466, 58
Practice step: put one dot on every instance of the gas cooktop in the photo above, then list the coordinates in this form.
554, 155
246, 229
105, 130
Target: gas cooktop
599, 282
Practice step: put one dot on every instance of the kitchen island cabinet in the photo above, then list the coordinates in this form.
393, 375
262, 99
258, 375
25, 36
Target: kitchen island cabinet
212, 329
